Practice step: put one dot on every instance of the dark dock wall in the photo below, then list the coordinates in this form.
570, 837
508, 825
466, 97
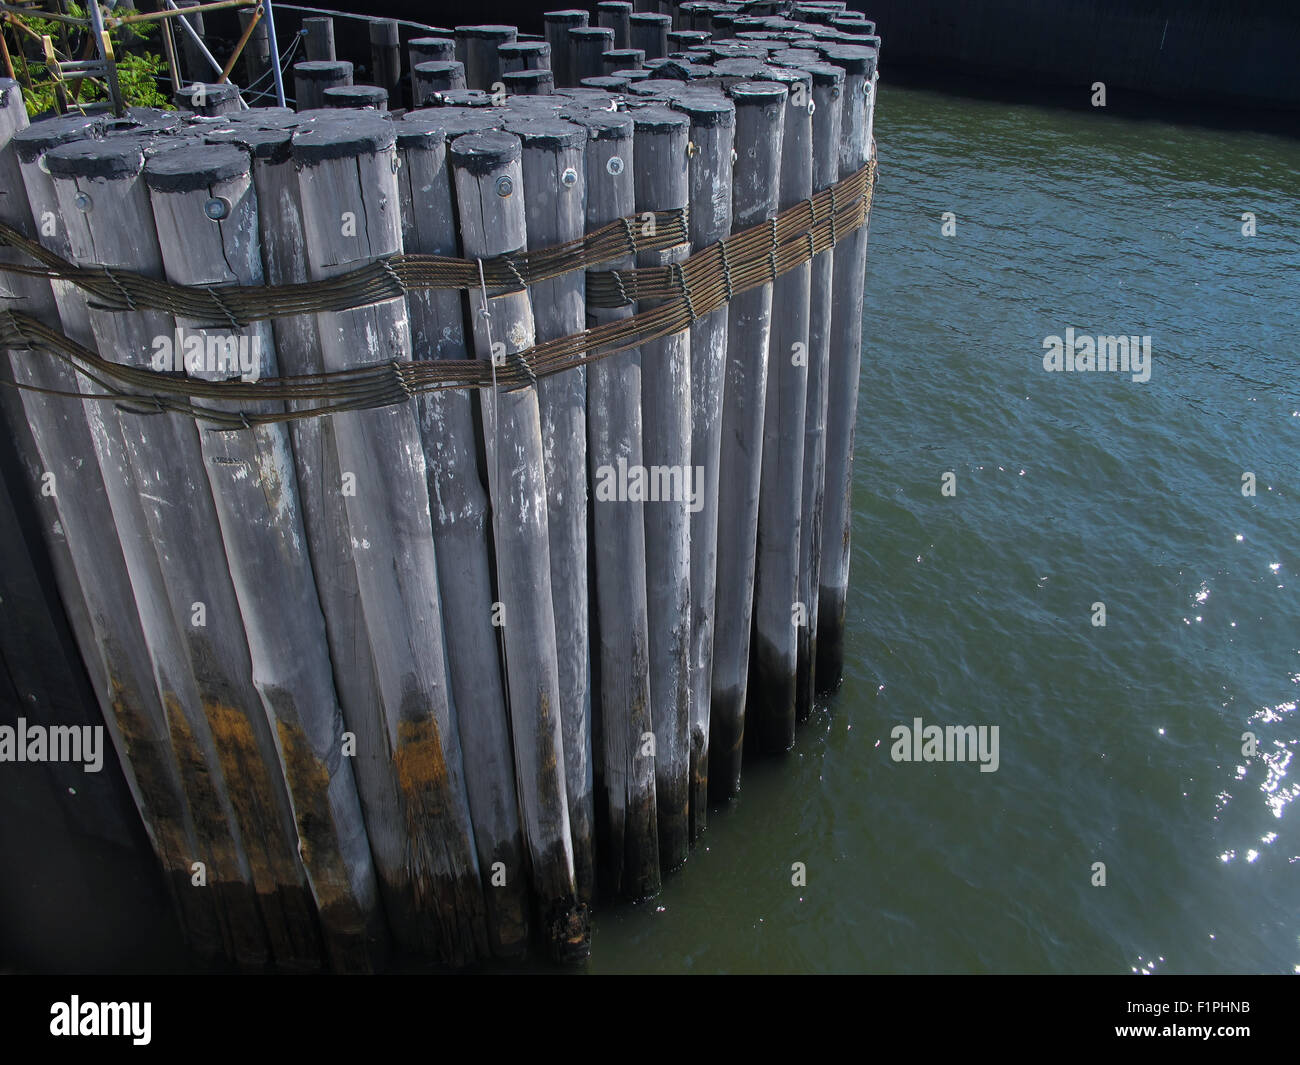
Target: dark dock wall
1240, 53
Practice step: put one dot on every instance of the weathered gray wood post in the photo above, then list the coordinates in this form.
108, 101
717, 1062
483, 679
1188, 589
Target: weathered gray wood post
318, 39
461, 533
430, 50
629, 842
219, 732
662, 183
206, 215
554, 204
828, 96
312, 78
429, 79
617, 16
760, 113
859, 65
712, 135
622, 59
257, 52
557, 26
476, 47
133, 709
490, 201
588, 44
777, 610
329, 539
347, 177
529, 83
649, 32
386, 58
524, 55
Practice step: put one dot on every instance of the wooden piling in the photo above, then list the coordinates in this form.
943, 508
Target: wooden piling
557, 25
430, 79
649, 32
218, 724
777, 609
461, 532
490, 202
845, 362
529, 83
712, 136
129, 695
588, 44
616, 16
257, 49
524, 55
662, 183
348, 190
476, 47
318, 39
430, 50
386, 59
626, 818
622, 59
554, 200
254, 487
312, 78
325, 521
828, 96
760, 116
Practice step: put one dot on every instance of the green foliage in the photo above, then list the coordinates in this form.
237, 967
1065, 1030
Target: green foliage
138, 72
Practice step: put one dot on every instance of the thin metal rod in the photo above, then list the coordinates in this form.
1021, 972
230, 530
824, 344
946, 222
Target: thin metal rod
274, 45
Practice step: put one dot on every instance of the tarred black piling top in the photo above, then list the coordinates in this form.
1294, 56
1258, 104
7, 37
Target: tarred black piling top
619, 54
615, 7
322, 69
488, 32
431, 42
356, 95
796, 57
706, 110
118, 157
596, 96
518, 48
456, 121
655, 87
650, 18
603, 125
660, 118
432, 67
758, 92
632, 75
481, 153
41, 136
592, 33
421, 129
266, 117
552, 134
190, 168
734, 51
519, 108
267, 145
340, 134
744, 68
688, 36
607, 82
146, 120
568, 17
855, 59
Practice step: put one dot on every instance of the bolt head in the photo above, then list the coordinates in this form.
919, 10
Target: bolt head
217, 208
82, 201
505, 187
569, 178
615, 165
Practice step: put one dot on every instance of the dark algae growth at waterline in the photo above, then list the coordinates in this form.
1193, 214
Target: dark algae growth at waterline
488, 416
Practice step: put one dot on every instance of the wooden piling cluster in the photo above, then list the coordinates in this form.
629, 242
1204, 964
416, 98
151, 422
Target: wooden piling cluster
435, 676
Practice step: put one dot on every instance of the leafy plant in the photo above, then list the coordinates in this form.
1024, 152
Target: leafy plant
138, 72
